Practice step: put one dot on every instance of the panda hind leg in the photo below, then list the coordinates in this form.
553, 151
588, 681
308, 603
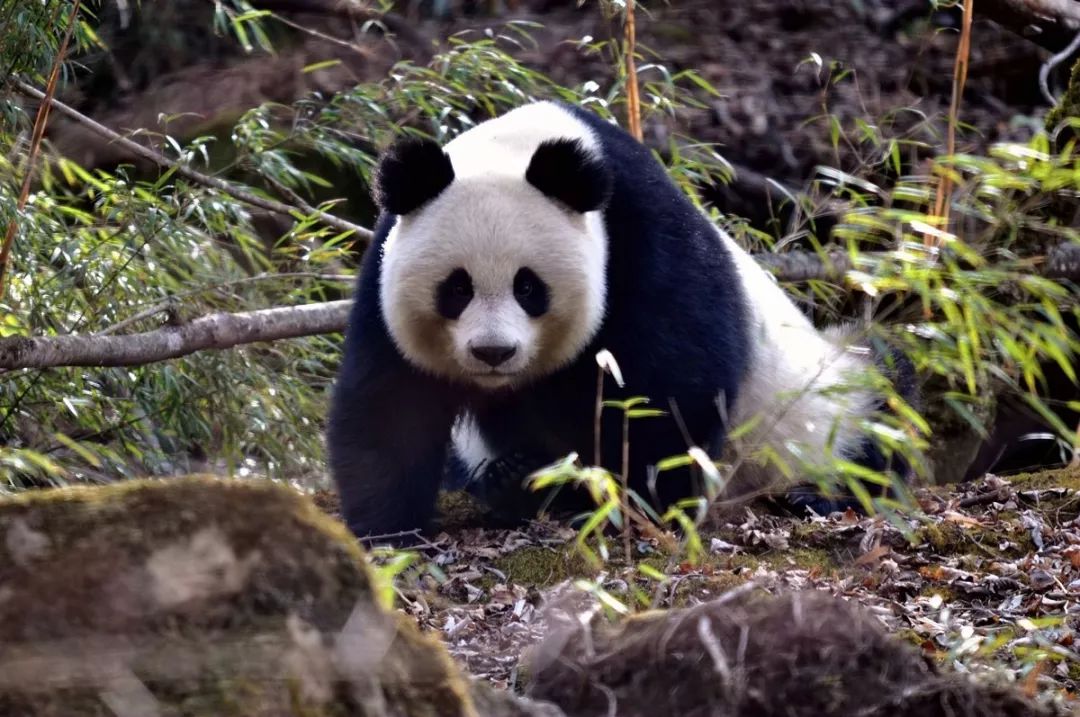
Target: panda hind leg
868, 453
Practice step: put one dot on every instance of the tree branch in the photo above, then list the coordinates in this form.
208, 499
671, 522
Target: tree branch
224, 330
148, 154
1049, 23
214, 331
1062, 262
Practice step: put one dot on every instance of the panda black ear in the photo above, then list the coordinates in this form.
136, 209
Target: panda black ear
411, 173
564, 170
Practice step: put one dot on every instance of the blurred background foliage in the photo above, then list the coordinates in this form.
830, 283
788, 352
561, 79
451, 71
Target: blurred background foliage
804, 126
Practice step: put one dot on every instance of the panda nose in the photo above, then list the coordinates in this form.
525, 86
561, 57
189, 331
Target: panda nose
493, 355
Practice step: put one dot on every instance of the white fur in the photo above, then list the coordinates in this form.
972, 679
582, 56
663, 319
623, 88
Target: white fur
799, 383
491, 222
469, 443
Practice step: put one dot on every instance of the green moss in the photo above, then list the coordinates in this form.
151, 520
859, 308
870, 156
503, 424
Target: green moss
1069, 105
805, 559
542, 567
695, 589
1074, 670
938, 536
142, 513
948, 538
224, 591
458, 509
1068, 477
911, 637
800, 558
932, 588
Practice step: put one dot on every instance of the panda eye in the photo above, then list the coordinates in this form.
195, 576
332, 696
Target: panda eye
454, 294
531, 292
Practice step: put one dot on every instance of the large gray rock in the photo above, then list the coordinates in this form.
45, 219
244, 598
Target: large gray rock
203, 597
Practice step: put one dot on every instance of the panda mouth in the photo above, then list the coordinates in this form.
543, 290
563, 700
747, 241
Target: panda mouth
493, 378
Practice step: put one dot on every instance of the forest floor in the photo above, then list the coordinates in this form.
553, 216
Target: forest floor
985, 576
990, 566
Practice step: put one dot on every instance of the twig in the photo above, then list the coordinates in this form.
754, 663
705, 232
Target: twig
148, 154
1051, 63
214, 331
363, 52
390, 21
293, 197
960, 71
624, 484
633, 98
158, 308
414, 533
994, 496
598, 416
35, 140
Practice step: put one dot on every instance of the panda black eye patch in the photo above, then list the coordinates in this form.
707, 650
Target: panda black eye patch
531, 292
453, 294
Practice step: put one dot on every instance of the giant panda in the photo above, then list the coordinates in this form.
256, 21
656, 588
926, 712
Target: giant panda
502, 264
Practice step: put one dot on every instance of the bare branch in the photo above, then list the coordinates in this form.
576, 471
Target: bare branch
1049, 23
215, 331
173, 300
225, 330
148, 154
1062, 262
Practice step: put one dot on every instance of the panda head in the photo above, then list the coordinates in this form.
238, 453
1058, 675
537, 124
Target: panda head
494, 271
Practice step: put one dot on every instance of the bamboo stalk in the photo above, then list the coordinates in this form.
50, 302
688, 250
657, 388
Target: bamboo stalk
35, 139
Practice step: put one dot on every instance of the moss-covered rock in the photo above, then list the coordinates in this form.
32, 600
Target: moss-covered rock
1069, 104
200, 596
1067, 478
748, 654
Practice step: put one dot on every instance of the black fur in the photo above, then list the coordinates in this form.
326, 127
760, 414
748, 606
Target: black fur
531, 292
410, 174
454, 294
388, 423
564, 170
675, 320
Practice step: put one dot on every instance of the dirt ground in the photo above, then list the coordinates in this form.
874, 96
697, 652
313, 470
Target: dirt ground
987, 578
802, 83
992, 566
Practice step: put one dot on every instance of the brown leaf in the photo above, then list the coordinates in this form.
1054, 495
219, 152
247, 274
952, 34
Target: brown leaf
873, 555
1073, 554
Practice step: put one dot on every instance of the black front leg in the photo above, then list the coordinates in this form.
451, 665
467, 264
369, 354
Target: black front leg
387, 441
388, 431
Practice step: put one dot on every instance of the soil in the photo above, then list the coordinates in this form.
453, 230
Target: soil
965, 581
985, 576
802, 83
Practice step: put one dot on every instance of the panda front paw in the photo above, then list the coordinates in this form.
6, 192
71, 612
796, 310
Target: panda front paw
501, 485
803, 499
